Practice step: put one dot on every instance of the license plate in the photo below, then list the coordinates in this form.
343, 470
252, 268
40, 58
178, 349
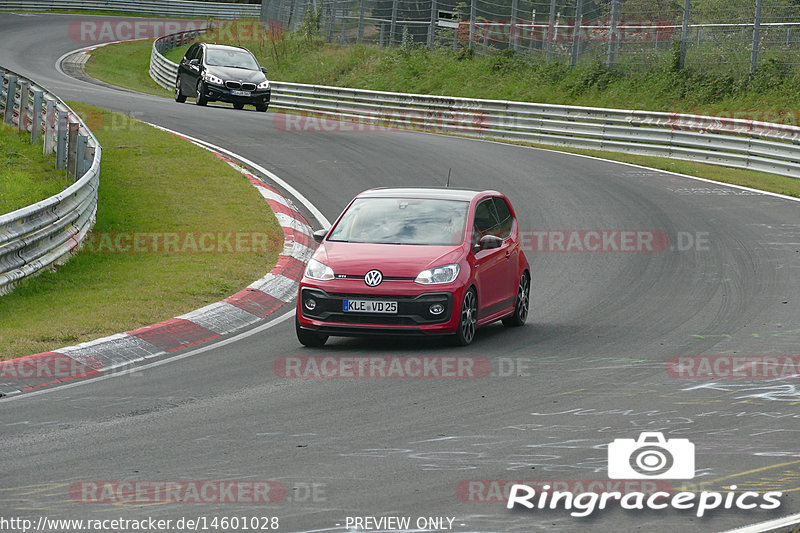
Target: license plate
240, 93
370, 306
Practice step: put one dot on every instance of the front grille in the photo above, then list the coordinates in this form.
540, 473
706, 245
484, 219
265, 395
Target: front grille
249, 86
233, 85
387, 320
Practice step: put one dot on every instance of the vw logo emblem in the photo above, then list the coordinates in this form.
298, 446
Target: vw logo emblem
373, 278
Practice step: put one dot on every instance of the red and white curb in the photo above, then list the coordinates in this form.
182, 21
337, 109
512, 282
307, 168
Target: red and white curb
248, 306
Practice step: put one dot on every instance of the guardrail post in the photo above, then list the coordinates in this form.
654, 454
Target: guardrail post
24, 103
576, 39
392, 39
612, 34
80, 156
361, 22
332, 21
11, 94
61, 140
36, 115
382, 38
514, 16
684, 33
551, 30
344, 20
50, 127
532, 32
756, 37
432, 27
72, 146
2, 92
472, 8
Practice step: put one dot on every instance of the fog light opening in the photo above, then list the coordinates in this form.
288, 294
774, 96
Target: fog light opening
311, 304
437, 309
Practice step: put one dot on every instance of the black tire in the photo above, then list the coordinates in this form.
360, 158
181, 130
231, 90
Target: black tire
521, 304
309, 338
262, 107
179, 96
200, 97
238, 105
468, 321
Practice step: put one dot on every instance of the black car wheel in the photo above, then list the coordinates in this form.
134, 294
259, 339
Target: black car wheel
521, 304
200, 96
261, 107
238, 105
309, 338
179, 96
467, 324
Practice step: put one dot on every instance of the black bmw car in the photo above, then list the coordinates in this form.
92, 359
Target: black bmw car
215, 72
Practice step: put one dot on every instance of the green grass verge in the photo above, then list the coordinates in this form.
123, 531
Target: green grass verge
772, 94
26, 174
151, 182
125, 65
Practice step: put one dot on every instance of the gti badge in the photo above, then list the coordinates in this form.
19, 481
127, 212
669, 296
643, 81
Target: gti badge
373, 278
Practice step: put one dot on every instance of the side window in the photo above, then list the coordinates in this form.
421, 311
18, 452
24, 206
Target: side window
485, 220
190, 53
504, 217
199, 54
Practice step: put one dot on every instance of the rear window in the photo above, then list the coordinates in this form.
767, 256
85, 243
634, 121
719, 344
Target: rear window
419, 221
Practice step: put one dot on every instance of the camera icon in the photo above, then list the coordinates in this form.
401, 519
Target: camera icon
651, 457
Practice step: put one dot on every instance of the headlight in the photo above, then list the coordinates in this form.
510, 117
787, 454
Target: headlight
442, 274
210, 78
263, 85
318, 271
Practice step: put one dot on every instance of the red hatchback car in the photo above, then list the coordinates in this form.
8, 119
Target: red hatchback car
415, 261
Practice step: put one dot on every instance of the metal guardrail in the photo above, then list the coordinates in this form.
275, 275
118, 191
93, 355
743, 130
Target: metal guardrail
739, 143
46, 233
165, 8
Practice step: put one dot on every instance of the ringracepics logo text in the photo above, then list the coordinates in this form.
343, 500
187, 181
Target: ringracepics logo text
586, 503
649, 457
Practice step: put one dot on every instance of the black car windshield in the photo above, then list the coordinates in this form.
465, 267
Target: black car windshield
230, 58
403, 221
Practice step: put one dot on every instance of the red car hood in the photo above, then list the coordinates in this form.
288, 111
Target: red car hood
356, 259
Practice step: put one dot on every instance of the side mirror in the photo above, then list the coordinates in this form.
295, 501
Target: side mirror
263, 70
488, 242
320, 234
195, 62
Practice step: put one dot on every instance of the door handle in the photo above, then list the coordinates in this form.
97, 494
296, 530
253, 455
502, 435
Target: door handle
508, 254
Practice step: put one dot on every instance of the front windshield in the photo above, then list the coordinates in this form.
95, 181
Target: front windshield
230, 58
403, 221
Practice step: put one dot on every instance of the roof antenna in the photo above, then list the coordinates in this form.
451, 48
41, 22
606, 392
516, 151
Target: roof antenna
449, 170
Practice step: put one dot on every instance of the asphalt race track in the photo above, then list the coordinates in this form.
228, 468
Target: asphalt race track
588, 368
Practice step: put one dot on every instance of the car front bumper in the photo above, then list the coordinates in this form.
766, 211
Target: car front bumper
223, 94
414, 315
